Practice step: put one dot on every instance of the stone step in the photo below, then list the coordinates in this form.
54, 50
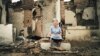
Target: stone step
47, 45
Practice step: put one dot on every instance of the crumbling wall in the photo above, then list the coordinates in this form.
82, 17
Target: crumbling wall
48, 15
17, 20
84, 34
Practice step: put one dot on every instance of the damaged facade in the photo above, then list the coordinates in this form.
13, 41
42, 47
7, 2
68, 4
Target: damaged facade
35, 18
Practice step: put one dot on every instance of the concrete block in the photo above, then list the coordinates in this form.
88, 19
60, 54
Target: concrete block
66, 46
6, 34
77, 33
46, 46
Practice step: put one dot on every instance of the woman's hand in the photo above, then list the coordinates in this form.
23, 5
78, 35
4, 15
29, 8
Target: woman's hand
49, 34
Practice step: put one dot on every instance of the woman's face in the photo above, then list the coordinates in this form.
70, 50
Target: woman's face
55, 23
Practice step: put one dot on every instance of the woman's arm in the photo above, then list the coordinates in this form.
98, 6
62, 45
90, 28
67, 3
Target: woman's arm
60, 32
49, 34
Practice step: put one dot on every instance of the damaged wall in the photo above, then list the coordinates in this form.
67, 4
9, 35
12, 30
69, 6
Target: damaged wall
3, 17
27, 18
48, 15
80, 33
17, 20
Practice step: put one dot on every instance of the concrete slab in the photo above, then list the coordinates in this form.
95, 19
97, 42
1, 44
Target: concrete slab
78, 35
66, 46
6, 34
46, 46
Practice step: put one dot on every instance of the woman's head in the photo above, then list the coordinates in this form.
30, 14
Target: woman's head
55, 22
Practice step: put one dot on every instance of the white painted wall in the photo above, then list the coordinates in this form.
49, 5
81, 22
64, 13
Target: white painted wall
58, 16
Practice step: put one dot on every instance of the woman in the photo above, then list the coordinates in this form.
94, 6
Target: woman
55, 34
